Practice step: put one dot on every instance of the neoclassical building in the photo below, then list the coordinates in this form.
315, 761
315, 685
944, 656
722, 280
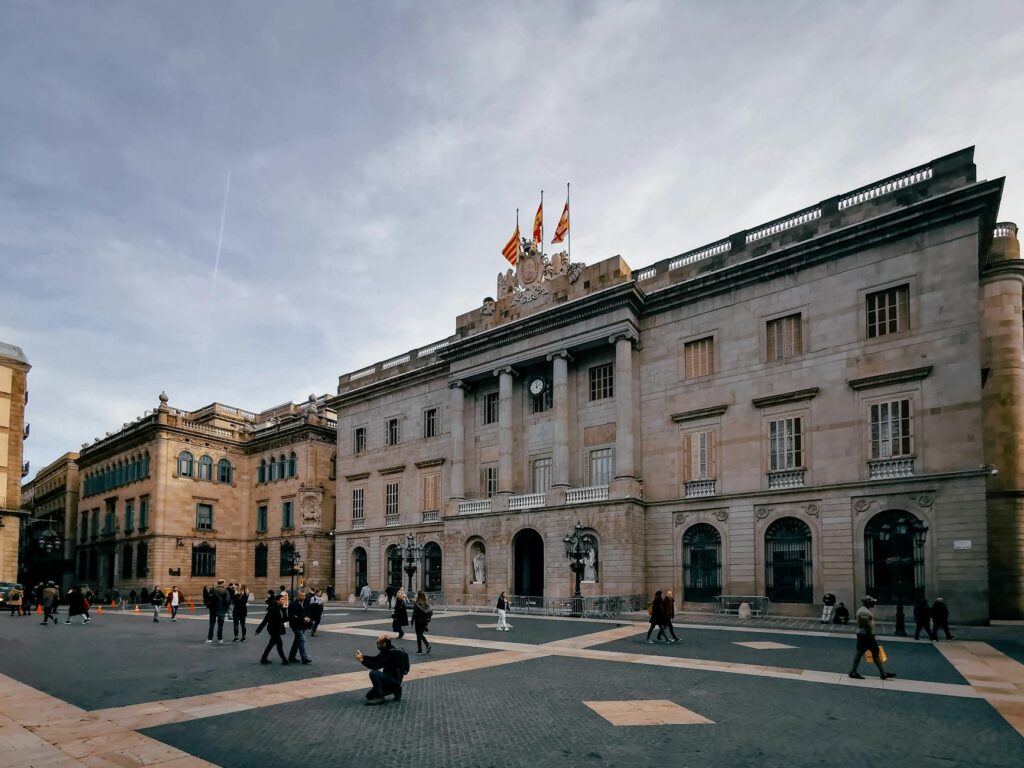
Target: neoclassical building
14, 368
781, 412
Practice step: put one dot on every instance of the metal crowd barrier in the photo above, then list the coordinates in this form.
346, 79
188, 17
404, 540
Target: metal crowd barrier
600, 606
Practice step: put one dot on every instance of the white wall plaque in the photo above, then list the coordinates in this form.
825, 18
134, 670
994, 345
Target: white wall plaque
961, 544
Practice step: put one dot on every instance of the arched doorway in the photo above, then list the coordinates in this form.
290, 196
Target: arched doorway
702, 563
894, 557
787, 561
394, 558
431, 567
358, 569
528, 562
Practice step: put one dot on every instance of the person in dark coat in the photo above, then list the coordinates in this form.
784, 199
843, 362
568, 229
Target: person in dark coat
316, 610
157, 599
239, 610
658, 617
386, 671
842, 615
76, 605
421, 615
940, 619
274, 621
390, 591
217, 601
922, 619
670, 613
400, 616
298, 621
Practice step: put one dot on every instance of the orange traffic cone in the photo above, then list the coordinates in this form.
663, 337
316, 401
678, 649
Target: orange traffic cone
99, 609
191, 605
137, 609
39, 607
113, 603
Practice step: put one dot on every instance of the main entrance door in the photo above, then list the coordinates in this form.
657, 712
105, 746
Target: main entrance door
528, 560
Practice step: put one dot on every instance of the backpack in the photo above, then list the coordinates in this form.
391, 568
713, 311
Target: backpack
650, 608
405, 661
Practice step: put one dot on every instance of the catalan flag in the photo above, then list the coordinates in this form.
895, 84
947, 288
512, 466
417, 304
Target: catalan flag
538, 223
563, 225
511, 249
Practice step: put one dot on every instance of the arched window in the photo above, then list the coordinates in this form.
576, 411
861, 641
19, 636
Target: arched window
894, 556
271, 470
431, 567
359, 568
224, 471
394, 558
261, 473
185, 463
292, 464
126, 561
334, 466
133, 469
117, 474
261, 561
204, 560
142, 560
787, 561
281, 475
702, 563
288, 558
205, 468
145, 464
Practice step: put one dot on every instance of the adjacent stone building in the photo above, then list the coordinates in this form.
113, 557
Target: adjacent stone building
50, 501
14, 368
780, 413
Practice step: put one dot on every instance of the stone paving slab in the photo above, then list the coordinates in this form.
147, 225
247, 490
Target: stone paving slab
525, 629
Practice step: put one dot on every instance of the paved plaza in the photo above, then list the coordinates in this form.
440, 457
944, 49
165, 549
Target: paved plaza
123, 691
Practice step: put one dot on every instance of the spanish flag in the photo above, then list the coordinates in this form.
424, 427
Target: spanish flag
563, 225
511, 249
538, 223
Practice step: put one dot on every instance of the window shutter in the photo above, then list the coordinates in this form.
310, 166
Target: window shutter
712, 456
798, 333
772, 352
688, 457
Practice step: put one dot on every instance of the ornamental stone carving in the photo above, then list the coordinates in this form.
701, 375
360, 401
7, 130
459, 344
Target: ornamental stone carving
310, 504
925, 500
762, 512
680, 518
488, 306
812, 509
860, 506
722, 515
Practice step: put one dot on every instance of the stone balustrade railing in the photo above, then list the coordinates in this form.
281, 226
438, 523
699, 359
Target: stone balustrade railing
432, 348
782, 225
358, 524
432, 516
392, 521
395, 361
1005, 229
644, 274
527, 501
699, 254
789, 478
583, 495
698, 488
887, 469
208, 429
474, 506
886, 187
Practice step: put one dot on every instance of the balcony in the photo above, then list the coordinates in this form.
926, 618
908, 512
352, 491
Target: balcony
392, 521
887, 469
432, 516
586, 495
526, 501
696, 489
358, 524
25, 469
787, 478
474, 506
27, 430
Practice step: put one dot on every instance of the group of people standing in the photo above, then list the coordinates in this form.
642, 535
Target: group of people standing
662, 609
301, 614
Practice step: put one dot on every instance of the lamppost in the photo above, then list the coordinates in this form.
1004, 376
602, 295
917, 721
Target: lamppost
413, 552
296, 566
577, 547
900, 534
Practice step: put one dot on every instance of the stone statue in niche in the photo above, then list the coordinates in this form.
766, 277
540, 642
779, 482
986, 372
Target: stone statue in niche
590, 562
479, 564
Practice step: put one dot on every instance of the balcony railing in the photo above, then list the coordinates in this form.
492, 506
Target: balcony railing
432, 516
789, 478
526, 501
358, 524
695, 489
474, 506
886, 469
584, 495
392, 520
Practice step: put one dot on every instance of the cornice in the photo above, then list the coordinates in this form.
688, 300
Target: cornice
395, 470
357, 476
699, 413
430, 463
786, 397
895, 377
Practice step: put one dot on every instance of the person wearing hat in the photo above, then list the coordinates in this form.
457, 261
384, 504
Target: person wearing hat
866, 639
50, 599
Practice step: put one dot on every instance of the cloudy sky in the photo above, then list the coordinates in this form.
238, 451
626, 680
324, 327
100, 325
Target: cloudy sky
377, 153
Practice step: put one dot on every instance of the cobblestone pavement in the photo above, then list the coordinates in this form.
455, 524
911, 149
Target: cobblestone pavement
124, 691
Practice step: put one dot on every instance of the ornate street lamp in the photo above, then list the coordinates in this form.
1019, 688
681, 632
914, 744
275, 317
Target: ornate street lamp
413, 552
577, 547
49, 541
296, 566
901, 535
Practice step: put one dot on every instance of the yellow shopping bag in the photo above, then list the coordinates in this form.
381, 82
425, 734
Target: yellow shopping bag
869, 657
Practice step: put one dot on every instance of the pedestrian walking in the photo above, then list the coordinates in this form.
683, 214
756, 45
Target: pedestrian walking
274, 621
503, 608
15, 600
76, 605
387, 669
670, 612
940, 619
656, 610
217, 605
866, 639
422, 613
175, 600
157, 600
390, 592
400, 616
50, 599
316, 611
922, 619
239, 610
364, 595
298, 621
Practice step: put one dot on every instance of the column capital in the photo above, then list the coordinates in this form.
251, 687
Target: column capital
562, 353
506, 369
459, 384
629, 335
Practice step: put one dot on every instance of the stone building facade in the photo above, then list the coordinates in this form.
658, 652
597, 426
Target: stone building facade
776, 413
186, 497
50, 502
14, 368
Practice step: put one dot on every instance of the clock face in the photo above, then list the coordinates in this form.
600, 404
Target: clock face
536, 386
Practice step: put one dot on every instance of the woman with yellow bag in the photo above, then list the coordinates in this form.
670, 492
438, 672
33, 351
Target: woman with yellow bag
866, 642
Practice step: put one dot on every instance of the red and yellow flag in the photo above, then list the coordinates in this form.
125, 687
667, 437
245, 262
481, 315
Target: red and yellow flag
538, 223
511, 249
563, 225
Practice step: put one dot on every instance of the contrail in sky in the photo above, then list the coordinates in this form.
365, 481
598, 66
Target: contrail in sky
213, 283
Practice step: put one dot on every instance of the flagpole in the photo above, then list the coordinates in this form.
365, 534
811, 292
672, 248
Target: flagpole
541, 223
569, 222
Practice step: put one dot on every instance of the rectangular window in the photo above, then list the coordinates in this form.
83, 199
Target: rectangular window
110, 519
491, 409
699, 357
358, 439
144, 513
85, 530
430, 422
391, 435
602, 382
129, 516
261, 561
261, 518
888, 311
699, 456
490, 481
204, 560
358, 499
602, 466
95, 531
391, 499
785, 444
430, 491
541, 474
204, 517
785, 337
891, 429
287, 514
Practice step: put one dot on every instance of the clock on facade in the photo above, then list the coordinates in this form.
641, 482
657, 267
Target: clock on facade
537, 386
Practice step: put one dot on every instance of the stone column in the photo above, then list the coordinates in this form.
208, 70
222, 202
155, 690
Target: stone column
458, 479
560, 395
625, 484
505, 429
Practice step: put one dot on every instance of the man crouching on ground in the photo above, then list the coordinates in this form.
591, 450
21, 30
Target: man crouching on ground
387, 669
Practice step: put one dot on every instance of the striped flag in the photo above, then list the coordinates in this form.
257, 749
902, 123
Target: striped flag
538, 223
563, 225
511, 249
